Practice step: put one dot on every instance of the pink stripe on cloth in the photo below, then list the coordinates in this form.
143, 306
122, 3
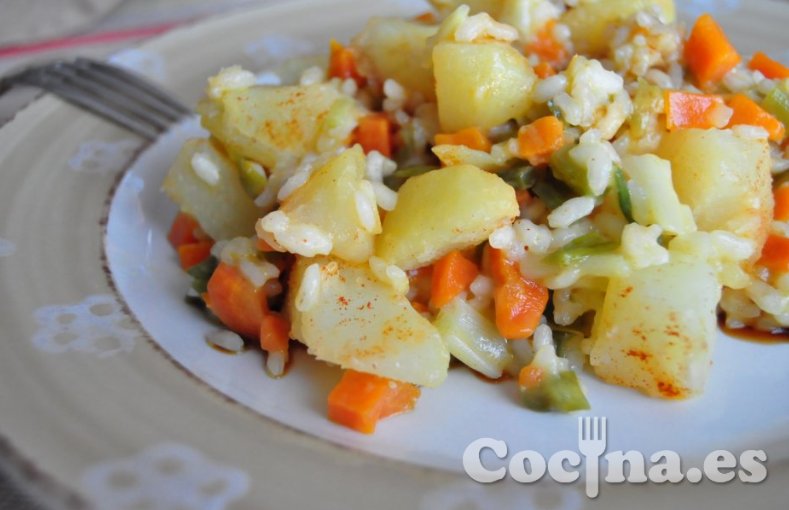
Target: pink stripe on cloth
85, 40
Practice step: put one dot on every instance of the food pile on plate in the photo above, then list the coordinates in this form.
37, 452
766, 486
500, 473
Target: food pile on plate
529, 187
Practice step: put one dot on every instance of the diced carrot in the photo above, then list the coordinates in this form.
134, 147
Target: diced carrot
538, 140
690, 110
374, 134
426, 17
498, 266
360, 400
547, 47
544, 70
770, 68
708, 53
274, 333
193, 253
471, 137
782, 203
235, 301
342, 63
746, 111
519, 303
452, 274
775, 254
182, 230
530, 377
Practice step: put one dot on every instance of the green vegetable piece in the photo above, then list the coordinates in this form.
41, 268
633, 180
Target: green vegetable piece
399, 176
551, 191
578, 250
253, 177
569, 171
561, 393
777, 103
520, 178
623, 194
201, 273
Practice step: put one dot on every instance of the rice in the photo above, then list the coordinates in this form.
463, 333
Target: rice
230, 78
750, 132
390, 275
295, 181
366, 212
302, 239
549, 88
349, 87
308, 293
394, 96
536, 238
562, 236
720, 115
378, 166
640, 246
205, 168
275, 363
226, 340
258, 272
312, 76
502, 238
481, 26
385, 196
543, 336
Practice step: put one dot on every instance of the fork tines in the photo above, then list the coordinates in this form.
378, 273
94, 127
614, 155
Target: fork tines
115, 94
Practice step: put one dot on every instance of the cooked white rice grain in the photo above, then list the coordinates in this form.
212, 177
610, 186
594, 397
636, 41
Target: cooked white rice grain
549, 87
366, 208
750, 132
300, 238
536, 238
720, 115
378, 166
205, 168
390, 275
640, 246
564, 279
502, 238
394, 96
659, 78
349, 87
542, 336
385, 196
258, 272
562, 236
275, 363
230, 78
226, 340
308, 293
482, 25
598, 162
312, 75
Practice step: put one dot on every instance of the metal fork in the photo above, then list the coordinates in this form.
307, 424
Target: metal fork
108, 91
592, 437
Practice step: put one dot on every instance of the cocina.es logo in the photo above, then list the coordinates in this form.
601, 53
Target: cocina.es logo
528, 466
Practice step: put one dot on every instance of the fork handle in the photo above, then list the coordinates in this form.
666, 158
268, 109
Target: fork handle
592, 476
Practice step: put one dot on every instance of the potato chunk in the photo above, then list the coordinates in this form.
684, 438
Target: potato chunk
358, 322
656, 329
396, 48
222, 208
266, 124
448, 209
481, 84
328, 200
725, 179
590, 21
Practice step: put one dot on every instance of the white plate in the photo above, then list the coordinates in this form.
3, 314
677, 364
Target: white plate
72, 408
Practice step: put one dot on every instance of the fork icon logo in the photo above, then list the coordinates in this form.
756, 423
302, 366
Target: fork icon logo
592, 438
